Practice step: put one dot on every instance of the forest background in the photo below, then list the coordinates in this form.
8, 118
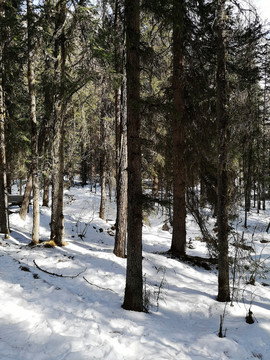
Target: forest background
159, 102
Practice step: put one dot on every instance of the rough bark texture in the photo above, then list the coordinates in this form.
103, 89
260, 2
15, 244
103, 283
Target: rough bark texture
46, 191
34, 137
26, 197
103, 174
120, 144
122, 188
134, 284
117, 92
222, 215
178, 246
4, 220
57, 217
247, 163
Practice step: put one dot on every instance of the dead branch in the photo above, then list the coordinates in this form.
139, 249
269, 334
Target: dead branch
100, 287
59, 275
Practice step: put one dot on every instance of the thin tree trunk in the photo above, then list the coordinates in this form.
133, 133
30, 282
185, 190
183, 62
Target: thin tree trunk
122, 187
178, 246
57, 217
264, 147
117, 92
247, 182
46, 190
4, 220
26, 197
46, 133
222, 216
32, 96
120, 145
134, 283
103, 173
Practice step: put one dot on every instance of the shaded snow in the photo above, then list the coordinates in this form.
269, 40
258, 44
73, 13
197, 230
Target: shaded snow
45, 317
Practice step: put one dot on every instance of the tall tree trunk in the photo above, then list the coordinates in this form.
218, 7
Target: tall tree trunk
46, 128
122, 187
4, 220
247, 161
32, 98
264, 142
222, 176
133, 292
178, 246
120, 143
117, 92
57, 217
84, 163
103, 160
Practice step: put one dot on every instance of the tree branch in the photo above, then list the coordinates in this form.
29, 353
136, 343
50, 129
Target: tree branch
59, 275
100, 287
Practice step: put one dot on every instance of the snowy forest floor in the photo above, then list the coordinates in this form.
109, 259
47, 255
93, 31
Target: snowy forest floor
78, 315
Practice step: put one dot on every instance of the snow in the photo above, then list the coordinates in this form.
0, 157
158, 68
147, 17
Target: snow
78, 315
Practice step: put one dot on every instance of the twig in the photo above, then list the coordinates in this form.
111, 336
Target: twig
100, 287
59, 275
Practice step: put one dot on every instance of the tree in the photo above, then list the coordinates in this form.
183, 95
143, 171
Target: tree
122, 186
4, 221
222, 175
133, 290
120, 138
178, 246
59, 110
103, 154
32, 99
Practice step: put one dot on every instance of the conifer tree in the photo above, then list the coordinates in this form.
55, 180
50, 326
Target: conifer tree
59, 111
133, 290
32, 101
178, 246
4, 220
222, 176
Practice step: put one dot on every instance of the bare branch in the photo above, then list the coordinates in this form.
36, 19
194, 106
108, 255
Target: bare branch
59, 275
100, 287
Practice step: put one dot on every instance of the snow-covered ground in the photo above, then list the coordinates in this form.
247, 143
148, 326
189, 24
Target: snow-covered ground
78, 316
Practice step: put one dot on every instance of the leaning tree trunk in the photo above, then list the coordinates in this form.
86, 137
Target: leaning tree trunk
57, 216
133, 292
222, 176
178, 246
4, 220
32, 96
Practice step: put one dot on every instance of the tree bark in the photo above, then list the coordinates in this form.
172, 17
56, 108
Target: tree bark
34, 137
178, 246
122, 187
223, 139
46, 190
133, 292
247, 161
120, 107
103, 160
57, 217
26, 197
4, 220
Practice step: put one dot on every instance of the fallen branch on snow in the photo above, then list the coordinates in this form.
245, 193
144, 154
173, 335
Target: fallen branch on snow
100, 287
59, 275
